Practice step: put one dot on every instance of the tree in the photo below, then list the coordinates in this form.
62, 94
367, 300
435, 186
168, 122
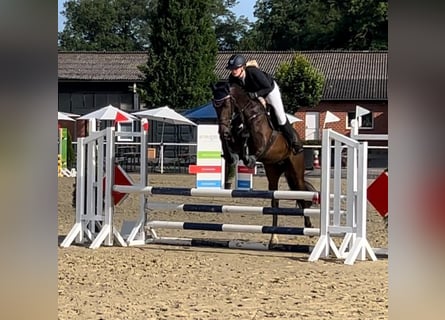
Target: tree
228, 28
321, 24
367, 24
182, 55
123, 25
111, 25
295, 25
300, 83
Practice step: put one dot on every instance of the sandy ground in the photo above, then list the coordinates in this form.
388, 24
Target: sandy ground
169, 282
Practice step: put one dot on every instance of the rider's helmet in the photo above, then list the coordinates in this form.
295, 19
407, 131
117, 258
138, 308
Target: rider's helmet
236, 61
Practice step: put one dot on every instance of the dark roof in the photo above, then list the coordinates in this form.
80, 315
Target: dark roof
349, 75
101, 66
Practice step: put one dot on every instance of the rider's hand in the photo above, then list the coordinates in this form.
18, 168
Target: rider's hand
262, 100
252, 95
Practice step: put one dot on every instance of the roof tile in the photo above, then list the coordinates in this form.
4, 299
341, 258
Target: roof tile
349, 75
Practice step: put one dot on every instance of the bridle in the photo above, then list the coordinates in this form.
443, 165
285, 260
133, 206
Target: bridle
226, 122
238, 120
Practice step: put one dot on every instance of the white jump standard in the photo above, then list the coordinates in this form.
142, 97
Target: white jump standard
94, 212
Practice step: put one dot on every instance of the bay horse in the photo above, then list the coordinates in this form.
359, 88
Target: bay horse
246, 132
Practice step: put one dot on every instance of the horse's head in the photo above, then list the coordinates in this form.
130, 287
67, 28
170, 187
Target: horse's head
223, 107
250, 110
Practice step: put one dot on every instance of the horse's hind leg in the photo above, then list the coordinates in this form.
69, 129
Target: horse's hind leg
273, 174
308, 204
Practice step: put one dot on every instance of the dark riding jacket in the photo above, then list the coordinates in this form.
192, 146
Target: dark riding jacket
255, 80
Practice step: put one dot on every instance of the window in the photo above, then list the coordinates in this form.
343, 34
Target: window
367, 120
127, 126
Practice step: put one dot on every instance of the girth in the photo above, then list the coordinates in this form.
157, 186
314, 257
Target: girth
266, 147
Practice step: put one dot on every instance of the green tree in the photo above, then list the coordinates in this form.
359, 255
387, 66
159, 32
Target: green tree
300, 83
295, 25
320, 24
182, 55
229, 29
123, 25
111, 25
367, 24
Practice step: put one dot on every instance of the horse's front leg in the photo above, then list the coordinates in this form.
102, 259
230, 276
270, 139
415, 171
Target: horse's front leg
230, 158
249, 160
229, 154
273, 176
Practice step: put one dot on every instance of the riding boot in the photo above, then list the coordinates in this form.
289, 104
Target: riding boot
292, 138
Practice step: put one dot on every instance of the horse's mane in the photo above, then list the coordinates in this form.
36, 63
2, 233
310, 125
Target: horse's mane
241, 96
236, 90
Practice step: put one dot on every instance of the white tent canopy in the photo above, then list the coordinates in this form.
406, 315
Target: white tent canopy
108, 113
166, 115
63, 116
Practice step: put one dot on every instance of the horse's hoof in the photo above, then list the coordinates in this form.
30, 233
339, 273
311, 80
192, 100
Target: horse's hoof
250, 162
273, 240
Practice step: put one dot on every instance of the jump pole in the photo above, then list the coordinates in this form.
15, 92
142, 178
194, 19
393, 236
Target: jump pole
354, 230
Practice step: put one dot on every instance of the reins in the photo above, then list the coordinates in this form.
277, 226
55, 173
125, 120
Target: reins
224, 121
247, 123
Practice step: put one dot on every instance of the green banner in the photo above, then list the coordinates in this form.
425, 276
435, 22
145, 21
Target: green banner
209, 154
63, 145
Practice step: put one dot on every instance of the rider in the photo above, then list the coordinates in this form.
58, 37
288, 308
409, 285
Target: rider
262, 86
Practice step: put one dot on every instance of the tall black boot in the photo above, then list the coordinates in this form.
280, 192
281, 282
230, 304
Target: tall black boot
292, 137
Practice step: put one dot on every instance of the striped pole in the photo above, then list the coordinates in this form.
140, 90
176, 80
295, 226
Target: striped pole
296, 231
248, 209
209, 208
222, 193
232, 244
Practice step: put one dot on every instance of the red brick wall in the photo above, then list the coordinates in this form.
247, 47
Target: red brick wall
379, 110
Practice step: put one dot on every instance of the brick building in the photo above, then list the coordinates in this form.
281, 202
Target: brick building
90, 80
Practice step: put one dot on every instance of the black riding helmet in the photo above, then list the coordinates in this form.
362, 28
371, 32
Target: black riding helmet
236, 61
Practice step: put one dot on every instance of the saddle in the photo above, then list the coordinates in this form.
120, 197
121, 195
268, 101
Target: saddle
272, 118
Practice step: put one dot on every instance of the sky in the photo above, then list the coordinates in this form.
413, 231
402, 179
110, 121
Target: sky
244, 7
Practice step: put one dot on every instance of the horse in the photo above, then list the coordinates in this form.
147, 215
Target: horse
244, 126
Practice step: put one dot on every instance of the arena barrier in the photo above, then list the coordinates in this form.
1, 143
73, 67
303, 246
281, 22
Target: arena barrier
381, 189
342, 212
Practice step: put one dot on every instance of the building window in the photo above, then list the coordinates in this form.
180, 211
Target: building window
367, 120
127, 126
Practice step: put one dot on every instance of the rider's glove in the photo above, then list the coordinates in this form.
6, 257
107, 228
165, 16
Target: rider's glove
253, 95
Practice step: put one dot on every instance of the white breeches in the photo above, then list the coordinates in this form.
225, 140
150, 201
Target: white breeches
274, 99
